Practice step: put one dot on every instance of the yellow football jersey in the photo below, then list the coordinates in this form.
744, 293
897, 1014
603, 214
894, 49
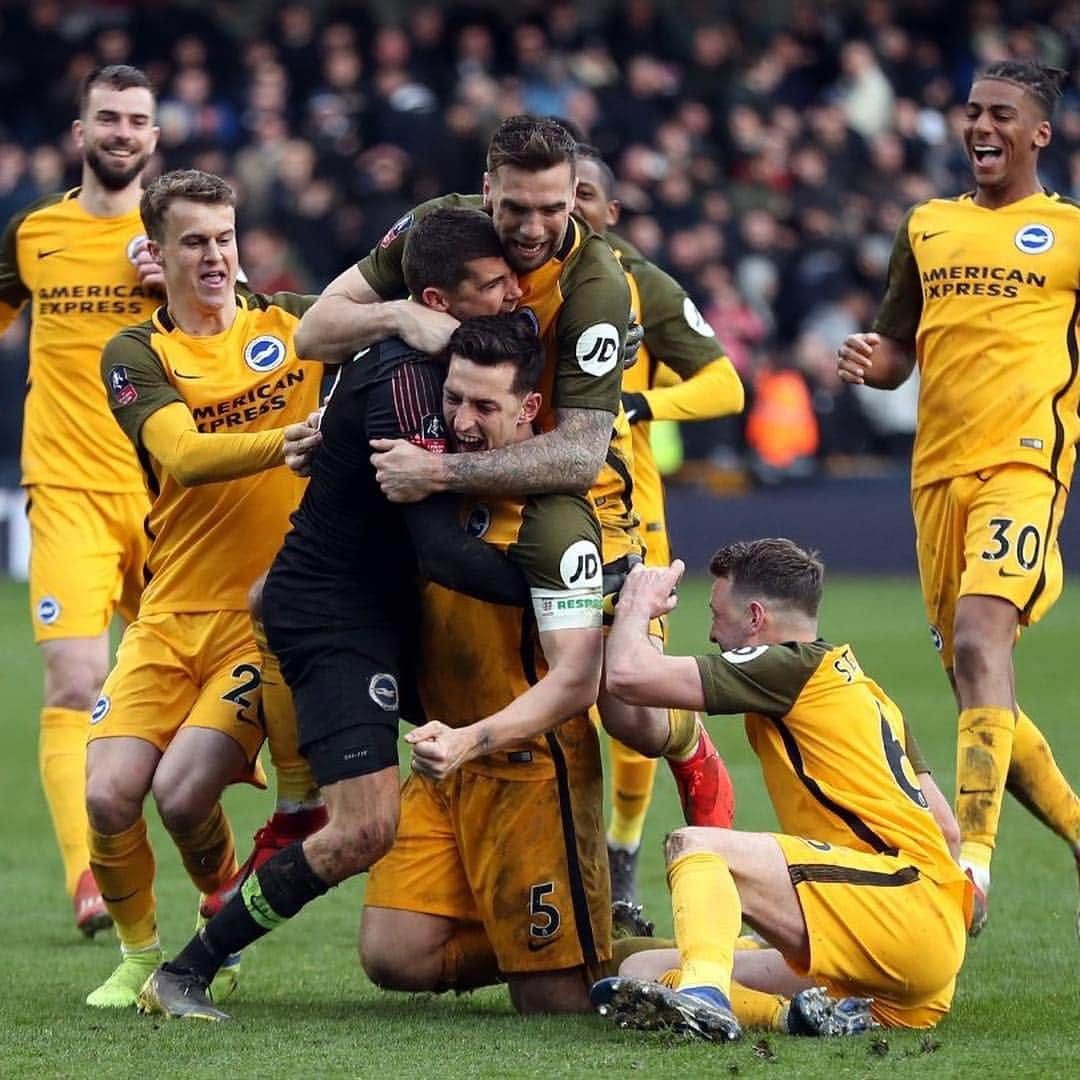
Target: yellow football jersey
582, 303
210, 542
476, 657
677, 338
76, 270
989, 299
832, 749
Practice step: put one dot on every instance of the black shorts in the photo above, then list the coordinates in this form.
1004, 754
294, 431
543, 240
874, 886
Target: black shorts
347, 704
346, 679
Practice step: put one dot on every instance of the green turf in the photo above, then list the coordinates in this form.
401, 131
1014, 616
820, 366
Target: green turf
306, 1009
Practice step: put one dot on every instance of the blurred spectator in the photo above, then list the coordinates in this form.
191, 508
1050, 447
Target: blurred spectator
767, 167
270, 264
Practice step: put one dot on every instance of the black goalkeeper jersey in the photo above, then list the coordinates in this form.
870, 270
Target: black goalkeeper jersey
352, 557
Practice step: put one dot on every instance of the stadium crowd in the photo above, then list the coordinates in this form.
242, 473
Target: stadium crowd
764, 156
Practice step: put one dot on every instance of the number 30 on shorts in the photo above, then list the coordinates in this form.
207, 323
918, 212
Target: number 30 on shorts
1025, 541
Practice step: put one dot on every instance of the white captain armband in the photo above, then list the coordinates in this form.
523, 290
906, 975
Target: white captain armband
568, 609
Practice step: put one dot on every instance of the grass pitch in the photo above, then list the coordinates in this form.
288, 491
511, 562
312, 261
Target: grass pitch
305, 1008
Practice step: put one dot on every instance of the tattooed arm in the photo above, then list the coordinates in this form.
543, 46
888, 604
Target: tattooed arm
567, 458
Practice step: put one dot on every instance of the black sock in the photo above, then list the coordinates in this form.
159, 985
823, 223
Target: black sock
271, 896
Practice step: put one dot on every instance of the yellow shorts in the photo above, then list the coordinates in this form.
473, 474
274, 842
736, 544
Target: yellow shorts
880, 928
526, 858
87, 551
649, 504
185, 670
991, 533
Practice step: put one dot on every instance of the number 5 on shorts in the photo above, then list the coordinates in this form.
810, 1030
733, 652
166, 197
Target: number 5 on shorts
548, 914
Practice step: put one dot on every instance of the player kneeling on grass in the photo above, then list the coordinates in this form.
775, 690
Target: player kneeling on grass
499, 869
859, 893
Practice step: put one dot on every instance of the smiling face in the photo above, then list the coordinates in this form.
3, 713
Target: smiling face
117, 134
1004, 130
198, 255
481, 407
531, 211
590, 197
489, 287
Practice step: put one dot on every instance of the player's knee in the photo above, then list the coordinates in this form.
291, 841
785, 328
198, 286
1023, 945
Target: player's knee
389, 968
109, 807
688, 840
973, 656
183, 805
72, 684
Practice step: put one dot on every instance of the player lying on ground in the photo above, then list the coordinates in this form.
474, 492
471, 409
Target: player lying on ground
858, 893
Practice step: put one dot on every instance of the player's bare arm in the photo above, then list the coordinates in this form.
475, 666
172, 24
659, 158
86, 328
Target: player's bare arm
565, 459
351, 315
942, 811
874, 360
570, 686
636, 672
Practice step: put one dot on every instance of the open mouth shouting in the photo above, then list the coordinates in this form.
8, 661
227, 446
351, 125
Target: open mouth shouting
986, 153
470, 444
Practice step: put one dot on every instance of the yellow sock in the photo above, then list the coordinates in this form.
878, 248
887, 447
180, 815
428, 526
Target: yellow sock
296, 786
631, 792
62, 763
756, 1009
1036, 781
123, 866
207, 851
708, 918
983, 748
683, 734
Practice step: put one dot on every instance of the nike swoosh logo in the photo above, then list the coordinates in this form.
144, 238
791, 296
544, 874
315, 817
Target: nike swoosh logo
118, 899
46, 254
931, 235
536, 946
1008, 573
181, 375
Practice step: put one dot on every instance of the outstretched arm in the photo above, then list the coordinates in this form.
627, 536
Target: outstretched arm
194, 457
635, 671
350, 315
